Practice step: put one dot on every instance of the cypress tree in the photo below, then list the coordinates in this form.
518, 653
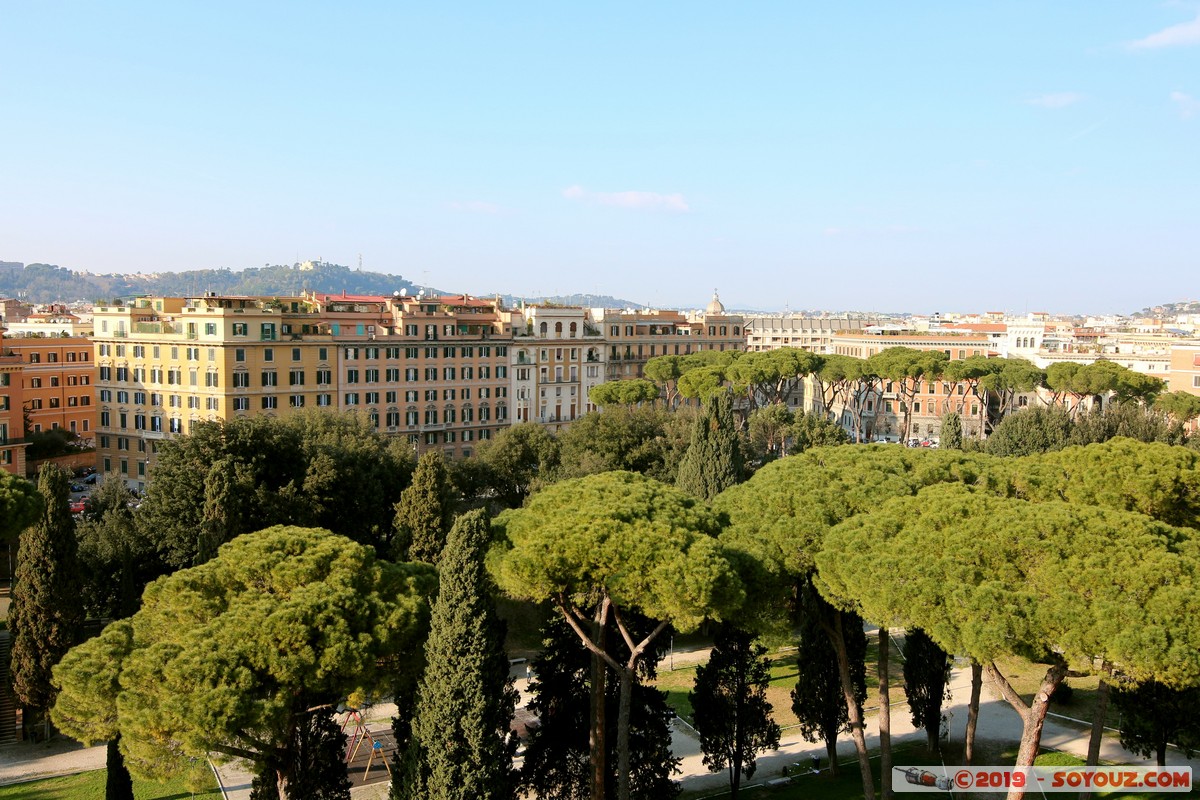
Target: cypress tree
713, 461
817, 699
557, 764
926, 676
47, 606
424, 512
951, 436
462, 747
732, 714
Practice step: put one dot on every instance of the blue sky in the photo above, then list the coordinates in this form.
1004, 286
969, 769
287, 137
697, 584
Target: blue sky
876, 156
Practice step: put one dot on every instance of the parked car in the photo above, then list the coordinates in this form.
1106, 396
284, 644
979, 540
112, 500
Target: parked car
91, 479
78, 487
77, 506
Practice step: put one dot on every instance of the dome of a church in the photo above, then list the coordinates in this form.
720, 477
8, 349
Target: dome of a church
715, 306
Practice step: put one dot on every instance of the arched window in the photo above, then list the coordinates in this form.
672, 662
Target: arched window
573, 328
558, 329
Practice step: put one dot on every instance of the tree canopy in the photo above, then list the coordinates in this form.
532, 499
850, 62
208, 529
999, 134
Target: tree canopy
314, 469
227, 656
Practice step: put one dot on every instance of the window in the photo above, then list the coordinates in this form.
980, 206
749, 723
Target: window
431, 373
296, 377
392, 375
295, 354
297, 401
268, 332
410, 417
270, 378
324, 400
268, 354
210, 329
212, 379
448, 373
240, 329
371, 375
239, 355
270, 402
351, 376
431, 416
212, 403
351, 398
324, 377
323, 353
241, 380
241, 404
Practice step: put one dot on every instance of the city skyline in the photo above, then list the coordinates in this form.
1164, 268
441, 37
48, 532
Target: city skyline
891, 158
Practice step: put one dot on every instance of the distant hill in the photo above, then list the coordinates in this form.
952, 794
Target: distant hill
49, 283
1168, 310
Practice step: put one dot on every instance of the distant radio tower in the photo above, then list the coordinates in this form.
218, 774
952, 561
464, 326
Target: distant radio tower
360, 262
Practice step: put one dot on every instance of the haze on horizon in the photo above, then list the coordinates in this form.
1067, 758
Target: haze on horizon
954, 156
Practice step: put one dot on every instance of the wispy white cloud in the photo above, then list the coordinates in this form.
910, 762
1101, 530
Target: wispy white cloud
1180, 35
1188, 106
630, 199
476, 207
1055, 100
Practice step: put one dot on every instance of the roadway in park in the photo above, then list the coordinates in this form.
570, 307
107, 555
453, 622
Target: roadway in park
997, 722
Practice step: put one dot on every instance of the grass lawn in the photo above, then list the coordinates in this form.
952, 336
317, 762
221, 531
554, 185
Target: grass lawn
90, 785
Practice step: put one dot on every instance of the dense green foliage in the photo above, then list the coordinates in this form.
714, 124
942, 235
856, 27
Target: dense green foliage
926, 678
646, 439
425, 512
517, 461
227, 657
1037, 429
732, 715
47, 610
556, 762
20, 505
461, 748
312, 469
117, 558
713, 461
1154, 715
952, 434
818, 700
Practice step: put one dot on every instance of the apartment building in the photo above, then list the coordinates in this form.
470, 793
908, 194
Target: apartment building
556, 359
56, 382
633, 337
12, 428
814, 334
433, 369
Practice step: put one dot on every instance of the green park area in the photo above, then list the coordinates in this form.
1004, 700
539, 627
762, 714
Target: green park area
90, 785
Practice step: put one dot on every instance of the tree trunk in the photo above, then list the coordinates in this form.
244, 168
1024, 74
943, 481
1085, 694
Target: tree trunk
1033, 717
973, 711
1102, 691
885, 718
596, 737
856, 715
623, 733
1161, 753
117, 783
831, 754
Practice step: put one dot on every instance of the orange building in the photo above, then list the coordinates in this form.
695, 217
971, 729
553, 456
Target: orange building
56, 381
12, 427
